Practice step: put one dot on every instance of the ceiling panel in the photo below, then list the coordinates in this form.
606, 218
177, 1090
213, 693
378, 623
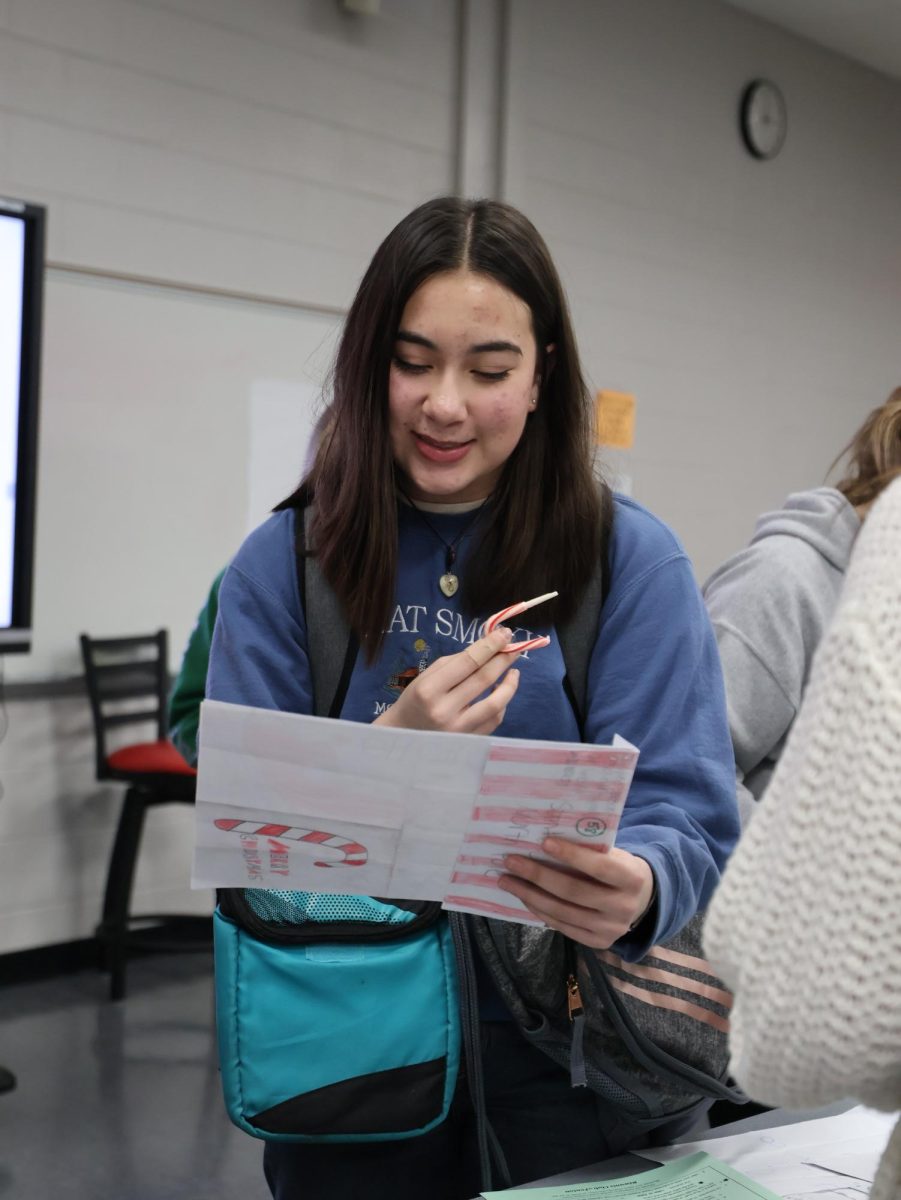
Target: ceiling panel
866, 30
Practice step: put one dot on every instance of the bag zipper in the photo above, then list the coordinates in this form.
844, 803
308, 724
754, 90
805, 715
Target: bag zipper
577, 1073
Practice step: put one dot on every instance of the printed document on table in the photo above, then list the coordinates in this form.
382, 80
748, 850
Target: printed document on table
699, 1177
826, 1157
286, 801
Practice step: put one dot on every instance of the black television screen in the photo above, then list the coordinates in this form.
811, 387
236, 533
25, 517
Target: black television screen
21, 291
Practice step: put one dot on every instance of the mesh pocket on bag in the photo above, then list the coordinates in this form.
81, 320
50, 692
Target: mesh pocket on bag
293, 908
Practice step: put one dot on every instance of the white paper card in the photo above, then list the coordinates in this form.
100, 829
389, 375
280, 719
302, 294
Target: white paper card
294, 802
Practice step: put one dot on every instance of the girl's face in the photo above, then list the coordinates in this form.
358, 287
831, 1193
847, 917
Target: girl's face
461, 386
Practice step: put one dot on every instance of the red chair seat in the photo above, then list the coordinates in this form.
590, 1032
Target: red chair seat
150, 758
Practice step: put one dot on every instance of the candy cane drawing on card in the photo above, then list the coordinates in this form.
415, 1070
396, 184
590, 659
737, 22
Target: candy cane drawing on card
353, 853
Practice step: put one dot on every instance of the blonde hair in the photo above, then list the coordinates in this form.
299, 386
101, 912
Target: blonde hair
874, 453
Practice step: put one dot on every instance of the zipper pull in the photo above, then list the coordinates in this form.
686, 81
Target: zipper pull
573, 998
577, 1075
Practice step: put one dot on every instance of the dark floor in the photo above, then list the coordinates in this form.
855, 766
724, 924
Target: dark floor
119, 1101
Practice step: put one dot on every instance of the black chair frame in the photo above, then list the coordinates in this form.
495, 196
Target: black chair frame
136, 671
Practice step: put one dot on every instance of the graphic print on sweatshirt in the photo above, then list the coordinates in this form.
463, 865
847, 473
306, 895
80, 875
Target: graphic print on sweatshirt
418, 634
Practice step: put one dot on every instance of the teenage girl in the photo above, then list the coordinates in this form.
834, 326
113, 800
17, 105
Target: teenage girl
454, 477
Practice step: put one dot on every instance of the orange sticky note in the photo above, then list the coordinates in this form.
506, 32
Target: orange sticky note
615, 419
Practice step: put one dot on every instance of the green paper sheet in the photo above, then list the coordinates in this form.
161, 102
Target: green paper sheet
697, 1177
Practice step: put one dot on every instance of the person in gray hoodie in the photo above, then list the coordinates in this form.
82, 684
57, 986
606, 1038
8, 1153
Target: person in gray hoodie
770, 603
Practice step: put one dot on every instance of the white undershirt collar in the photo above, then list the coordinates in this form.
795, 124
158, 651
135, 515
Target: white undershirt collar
431, 507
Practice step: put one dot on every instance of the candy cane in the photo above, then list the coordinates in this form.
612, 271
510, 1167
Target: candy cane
355, 855
514, 610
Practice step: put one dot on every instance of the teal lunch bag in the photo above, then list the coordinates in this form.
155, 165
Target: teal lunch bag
337, 1016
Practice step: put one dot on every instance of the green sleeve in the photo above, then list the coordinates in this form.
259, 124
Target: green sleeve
190, 683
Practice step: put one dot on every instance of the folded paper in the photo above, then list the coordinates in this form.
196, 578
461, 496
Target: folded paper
293, 802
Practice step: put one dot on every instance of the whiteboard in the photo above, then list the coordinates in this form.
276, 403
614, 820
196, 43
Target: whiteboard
170, 423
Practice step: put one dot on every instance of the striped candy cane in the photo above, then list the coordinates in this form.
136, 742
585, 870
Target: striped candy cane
355, 855
514, 610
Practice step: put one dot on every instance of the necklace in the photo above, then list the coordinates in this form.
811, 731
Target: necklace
449, 581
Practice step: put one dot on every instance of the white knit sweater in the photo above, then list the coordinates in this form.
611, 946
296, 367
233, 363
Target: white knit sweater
806, 925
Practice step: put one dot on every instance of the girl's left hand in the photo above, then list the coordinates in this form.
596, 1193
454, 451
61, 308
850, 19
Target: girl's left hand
594, 897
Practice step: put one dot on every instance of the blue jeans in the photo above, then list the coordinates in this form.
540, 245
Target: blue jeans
542, 1123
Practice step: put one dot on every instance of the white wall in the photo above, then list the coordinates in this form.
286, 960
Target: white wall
148, 400
253, 154
752, 307
260, 146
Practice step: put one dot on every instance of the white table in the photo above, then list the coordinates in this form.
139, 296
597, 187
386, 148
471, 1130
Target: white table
632, 1164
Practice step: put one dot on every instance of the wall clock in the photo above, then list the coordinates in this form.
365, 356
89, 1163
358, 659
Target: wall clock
763, 118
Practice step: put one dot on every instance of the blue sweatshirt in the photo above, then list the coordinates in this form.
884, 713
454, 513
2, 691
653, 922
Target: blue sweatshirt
654, 678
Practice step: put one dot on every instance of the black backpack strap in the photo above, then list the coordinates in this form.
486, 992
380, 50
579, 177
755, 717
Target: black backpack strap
579, 634
333, 647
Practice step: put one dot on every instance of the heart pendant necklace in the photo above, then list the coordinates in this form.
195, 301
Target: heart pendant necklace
449, 582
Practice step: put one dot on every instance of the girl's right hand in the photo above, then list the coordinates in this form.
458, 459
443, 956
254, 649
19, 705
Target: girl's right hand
446, 695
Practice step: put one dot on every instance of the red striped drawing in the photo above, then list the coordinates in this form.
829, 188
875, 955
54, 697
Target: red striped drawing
517, 845
527, 794
474, 879
546, 756
354, 854
490, 908
553, 789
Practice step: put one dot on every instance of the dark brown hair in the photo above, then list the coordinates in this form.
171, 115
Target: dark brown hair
546, 524
874, 453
